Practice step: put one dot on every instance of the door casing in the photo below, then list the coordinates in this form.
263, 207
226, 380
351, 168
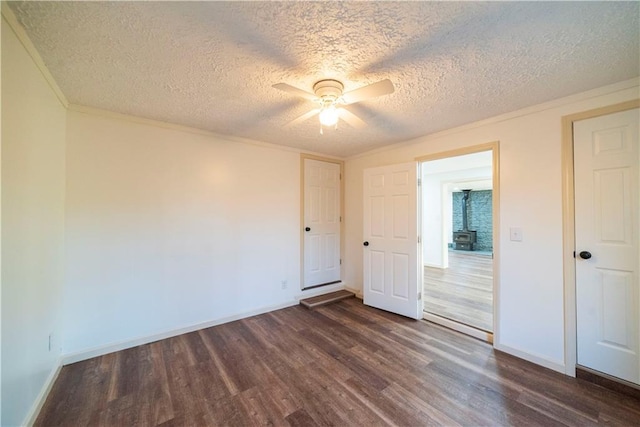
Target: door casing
568, 227
303, 157
494, 147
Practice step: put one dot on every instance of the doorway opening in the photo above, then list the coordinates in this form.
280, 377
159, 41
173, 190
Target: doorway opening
458, 203
321, 218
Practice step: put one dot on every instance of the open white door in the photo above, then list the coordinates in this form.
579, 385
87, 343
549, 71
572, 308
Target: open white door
607, 221
391, 279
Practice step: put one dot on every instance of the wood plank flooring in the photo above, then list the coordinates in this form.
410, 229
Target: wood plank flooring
463, 292
343, 364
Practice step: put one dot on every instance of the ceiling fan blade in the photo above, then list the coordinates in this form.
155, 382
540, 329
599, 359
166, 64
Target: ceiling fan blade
295, 91
383, 87
302, 118
351, 119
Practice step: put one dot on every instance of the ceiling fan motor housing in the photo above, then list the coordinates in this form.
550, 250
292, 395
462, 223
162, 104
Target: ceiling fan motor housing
328, 89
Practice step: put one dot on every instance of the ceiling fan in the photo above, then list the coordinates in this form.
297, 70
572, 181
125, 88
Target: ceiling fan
327, 93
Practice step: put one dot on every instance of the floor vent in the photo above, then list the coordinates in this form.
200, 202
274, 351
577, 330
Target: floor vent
325, 299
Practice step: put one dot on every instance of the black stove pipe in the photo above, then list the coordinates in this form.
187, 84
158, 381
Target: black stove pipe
465, 198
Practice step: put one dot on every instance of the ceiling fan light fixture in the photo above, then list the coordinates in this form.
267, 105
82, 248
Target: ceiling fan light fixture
329, 116
328, 94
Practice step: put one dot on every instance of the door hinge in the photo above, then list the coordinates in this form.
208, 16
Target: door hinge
340, 219
419, 182
419, 296
418, 239
574, 254
340, 262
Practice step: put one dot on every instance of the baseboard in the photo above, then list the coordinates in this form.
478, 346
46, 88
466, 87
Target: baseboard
467, 330
427, 264
123, 345
358, 292
538, 360
33, 413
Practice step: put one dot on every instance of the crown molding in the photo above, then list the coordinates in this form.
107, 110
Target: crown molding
181, 128
11, 20
556, 103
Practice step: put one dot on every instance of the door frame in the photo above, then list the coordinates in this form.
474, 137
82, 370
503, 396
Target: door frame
494, 147
303, 157
568, 226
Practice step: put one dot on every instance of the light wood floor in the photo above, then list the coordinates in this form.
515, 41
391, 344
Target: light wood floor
463, 292
344, 364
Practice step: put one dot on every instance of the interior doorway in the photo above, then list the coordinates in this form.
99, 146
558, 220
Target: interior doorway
458, 222
321, 221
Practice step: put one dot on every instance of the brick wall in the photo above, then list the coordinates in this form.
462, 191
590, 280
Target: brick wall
479, 216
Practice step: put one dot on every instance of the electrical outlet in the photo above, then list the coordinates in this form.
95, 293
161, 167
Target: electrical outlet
284, 284
50, 341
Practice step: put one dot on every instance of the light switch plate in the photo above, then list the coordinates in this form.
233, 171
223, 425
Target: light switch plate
516, 234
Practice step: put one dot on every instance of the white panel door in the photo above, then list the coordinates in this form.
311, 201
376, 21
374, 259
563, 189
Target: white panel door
391, 279
607, 220
321, 223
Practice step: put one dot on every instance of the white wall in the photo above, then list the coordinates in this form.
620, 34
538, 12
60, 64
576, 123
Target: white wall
530, 300
167, 229
33, 183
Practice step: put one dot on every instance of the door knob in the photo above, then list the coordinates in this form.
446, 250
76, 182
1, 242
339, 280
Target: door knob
366, 243
585, 254
307, 229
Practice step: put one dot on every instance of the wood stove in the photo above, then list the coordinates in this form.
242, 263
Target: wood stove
465, 239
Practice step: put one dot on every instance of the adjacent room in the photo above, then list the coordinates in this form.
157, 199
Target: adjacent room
457, 241
177, 177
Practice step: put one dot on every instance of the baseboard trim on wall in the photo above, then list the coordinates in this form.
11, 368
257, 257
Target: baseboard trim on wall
33, 413
68, 359
358, 292
533, 358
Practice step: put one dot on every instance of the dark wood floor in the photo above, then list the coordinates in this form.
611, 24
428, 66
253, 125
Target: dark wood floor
344, 364
464, 291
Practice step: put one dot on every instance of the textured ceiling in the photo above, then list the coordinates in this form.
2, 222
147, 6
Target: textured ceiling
211, 65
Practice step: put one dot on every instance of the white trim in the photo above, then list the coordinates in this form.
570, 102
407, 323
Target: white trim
358, 292
123, 345
188, 129
555, 365
568, 225
497, 253
38, 403
494, 148
21, 34
556, 103
459, 327
303, 164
